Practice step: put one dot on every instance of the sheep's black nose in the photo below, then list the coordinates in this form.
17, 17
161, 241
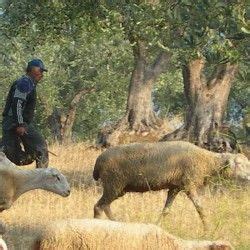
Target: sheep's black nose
66, 193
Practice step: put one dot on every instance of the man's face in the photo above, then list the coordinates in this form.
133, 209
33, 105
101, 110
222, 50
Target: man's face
36, 73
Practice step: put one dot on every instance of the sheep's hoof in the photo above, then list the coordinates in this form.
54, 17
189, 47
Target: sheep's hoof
97, 212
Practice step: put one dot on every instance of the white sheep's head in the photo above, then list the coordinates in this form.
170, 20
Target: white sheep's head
239, 164
56, 182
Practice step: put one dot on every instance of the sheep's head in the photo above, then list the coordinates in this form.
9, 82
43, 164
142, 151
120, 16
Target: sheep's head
239, 165
56, 182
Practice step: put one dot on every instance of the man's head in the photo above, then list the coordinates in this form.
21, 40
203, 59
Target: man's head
35, 69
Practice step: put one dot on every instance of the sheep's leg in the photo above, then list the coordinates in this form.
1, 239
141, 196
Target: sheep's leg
98, 208
169, 201
197, 203
108, 212
170, 198
104, 203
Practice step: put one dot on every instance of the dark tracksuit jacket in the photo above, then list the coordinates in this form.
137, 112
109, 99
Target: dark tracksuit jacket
19, 111
20, 104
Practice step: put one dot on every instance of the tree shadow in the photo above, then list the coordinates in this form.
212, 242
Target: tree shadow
22, 237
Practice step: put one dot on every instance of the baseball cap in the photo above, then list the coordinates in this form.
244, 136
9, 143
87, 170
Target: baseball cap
36, 63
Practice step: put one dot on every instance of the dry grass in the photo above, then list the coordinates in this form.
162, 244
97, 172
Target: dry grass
228, 213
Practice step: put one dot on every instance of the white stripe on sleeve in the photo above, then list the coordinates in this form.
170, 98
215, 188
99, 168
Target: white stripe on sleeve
19, 111
19, 94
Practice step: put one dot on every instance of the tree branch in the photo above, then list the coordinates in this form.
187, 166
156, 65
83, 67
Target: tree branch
79, 95
220, 73
70, 118
159, 66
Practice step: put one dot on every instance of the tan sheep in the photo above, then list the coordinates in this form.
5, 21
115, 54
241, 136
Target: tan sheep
15, 182
102, 234
174, 165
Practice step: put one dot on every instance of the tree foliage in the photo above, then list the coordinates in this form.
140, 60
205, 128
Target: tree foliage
91, 43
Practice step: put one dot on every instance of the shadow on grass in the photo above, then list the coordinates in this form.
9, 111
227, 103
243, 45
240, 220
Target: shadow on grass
81, 179
22, 237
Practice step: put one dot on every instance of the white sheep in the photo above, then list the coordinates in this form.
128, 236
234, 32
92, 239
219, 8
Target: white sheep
103, 234
173, 165
15, 181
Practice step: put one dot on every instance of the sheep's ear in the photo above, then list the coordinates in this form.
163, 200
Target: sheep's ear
2, 154
48, 171
54, 172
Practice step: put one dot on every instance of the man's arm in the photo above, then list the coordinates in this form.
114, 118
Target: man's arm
22, 90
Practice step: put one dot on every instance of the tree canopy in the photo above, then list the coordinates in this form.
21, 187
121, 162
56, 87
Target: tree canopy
91, 44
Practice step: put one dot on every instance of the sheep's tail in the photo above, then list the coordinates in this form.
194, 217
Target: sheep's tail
99, 164
96, 174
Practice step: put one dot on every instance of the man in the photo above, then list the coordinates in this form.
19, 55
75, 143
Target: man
21, 141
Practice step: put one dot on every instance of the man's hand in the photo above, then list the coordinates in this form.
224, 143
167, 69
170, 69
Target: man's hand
21, 131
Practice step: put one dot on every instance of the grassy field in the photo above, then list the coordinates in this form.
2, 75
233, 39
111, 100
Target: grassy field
228, 213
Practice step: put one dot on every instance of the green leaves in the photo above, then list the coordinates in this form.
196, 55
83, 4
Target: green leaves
90, 43
206, 27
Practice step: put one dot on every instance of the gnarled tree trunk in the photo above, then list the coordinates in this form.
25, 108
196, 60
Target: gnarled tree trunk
61, 125
139, 117
207, 101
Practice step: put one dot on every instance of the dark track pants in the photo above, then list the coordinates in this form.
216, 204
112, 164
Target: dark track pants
34, 147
